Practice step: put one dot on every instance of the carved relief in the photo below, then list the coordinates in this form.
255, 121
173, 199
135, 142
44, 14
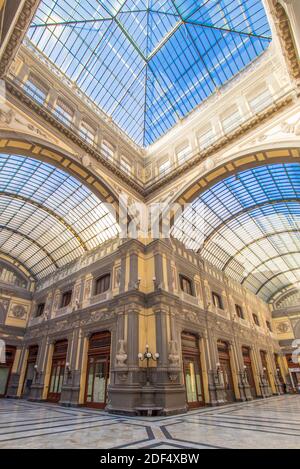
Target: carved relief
283, 327
19, 312
121, 355
173, 353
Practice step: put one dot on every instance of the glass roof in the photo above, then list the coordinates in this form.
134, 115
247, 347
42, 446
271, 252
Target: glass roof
148, 63
47, 217
251, 227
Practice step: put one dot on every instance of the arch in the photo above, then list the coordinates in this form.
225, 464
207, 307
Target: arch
278, 274
18, 275
31, 241
285, 289
53, 208
284, 296
247, 210
249, 220
30, 146
39, 206
255, 241
17, 264
258, 266
235, 164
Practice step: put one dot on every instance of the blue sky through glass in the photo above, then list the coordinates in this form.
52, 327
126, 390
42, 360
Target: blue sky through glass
251, 228
148, 63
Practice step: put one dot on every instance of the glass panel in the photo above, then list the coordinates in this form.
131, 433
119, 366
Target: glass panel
190, 381
52, 381
99, 382
61, 379
4, 373
89, 395
56, 382
251, 227
42, 210
139, 61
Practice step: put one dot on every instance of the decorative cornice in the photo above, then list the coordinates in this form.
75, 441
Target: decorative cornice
18, 93
17, 35
244, 128
286, 38
223, 142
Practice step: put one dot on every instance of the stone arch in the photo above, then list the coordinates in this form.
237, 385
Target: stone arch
47, 152
241, 161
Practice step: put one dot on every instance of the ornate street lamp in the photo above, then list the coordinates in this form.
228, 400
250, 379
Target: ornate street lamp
147, 355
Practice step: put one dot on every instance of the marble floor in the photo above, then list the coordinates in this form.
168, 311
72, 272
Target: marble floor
269, 423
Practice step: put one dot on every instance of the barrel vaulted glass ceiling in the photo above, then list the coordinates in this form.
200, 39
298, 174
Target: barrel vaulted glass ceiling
148, 63
251, 229
47, 217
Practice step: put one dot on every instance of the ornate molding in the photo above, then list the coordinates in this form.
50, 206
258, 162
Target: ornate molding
246, 127
50, 118
17, 35
286, 38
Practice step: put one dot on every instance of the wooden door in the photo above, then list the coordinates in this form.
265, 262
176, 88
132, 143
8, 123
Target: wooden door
97, 379
5, 369
263, 356
225, 366
192, 371
30, 370
57, 370
249, 370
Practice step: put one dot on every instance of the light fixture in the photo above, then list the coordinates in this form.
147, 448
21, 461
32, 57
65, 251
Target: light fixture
147, 355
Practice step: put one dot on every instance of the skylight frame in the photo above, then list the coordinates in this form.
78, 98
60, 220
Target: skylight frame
147, 119
249, 218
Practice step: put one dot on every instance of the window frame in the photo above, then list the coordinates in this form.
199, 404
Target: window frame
66, 294
256, 319
239, 311
183, 279
38, 314
220, 304
97, 282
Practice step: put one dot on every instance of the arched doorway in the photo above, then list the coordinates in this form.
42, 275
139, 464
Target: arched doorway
192, 370
5, 369
57, 370
226, 370
30, 370
249, 370
98, 370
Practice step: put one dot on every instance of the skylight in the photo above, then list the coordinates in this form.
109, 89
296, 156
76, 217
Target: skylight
251, 227
148, 63
47, 217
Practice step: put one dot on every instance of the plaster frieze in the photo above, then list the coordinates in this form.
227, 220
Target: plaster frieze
17, 34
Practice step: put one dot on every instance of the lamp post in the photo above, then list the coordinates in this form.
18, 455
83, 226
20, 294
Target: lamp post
147, 355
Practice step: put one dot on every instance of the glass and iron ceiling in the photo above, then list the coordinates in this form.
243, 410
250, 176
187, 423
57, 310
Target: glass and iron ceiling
148, 63
47, 217
251, 228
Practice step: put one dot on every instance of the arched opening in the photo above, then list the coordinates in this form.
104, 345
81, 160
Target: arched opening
247, 225
48, 218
